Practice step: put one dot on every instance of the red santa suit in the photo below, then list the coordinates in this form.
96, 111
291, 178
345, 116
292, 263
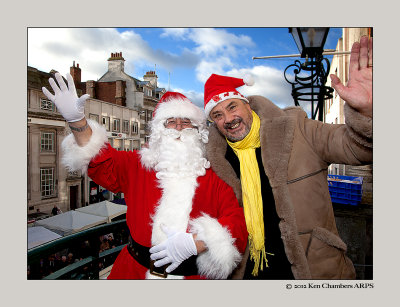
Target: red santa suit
197, 202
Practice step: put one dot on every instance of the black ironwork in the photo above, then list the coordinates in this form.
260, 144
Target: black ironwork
309, 41
309, 83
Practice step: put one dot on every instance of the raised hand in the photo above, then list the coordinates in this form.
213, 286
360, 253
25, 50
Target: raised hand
65, 98
358, 92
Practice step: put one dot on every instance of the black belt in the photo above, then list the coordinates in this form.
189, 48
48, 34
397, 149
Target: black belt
142, 255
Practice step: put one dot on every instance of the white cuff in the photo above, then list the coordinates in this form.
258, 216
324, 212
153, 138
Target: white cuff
221, 256
77, 157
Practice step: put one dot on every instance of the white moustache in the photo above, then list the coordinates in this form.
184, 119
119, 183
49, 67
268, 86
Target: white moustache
183, 135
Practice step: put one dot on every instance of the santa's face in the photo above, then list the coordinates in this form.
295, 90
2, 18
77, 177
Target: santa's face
175, 152
233, 118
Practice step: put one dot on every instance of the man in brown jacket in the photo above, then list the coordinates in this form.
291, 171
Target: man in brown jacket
276, 161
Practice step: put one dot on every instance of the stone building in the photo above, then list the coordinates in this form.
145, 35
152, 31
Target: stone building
47, 180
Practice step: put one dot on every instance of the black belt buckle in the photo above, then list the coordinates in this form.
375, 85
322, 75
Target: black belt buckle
152, 267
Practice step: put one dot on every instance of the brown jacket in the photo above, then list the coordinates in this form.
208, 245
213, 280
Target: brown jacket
296, 152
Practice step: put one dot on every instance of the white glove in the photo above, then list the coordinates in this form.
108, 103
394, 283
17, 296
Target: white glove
68, 104
178, 247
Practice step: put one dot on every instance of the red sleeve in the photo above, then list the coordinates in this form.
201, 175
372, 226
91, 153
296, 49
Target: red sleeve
110, 168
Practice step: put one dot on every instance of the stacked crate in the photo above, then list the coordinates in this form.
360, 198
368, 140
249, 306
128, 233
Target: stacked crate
345, 189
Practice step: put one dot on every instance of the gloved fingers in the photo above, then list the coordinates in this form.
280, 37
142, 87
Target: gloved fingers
54, 86
61, 82
162, 262
172, 267
159, 255
158, 248
71, 84
49, 95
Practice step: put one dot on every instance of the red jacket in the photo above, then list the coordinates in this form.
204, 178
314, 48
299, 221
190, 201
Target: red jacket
215, 210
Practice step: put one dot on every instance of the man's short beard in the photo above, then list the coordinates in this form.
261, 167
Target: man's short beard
174, 153
238, 137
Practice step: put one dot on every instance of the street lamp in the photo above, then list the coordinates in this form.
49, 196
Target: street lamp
310, 77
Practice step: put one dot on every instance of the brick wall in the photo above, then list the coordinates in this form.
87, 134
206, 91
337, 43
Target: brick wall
106, 91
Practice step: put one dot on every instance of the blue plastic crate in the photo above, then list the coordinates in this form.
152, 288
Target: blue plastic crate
345, 189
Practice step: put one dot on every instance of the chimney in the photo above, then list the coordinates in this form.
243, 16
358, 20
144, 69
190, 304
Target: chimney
116, 62
75, 73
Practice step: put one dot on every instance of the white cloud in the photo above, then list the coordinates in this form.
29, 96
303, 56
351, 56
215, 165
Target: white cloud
212, 42
217, 66
175, 33
268, 82
57, 48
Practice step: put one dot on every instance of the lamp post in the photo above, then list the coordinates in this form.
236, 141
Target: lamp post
310, 77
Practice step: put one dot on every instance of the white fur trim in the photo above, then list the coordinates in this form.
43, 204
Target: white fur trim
219, 98
222, 256
179, 108
77, 157
174, 206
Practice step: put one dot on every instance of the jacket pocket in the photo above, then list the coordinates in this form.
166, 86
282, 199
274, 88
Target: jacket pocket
306, 176
326, 256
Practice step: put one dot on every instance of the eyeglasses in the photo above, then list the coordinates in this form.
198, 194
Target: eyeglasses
173, 123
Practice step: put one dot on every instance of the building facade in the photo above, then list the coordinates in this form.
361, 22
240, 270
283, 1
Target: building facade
123, 131
47, 180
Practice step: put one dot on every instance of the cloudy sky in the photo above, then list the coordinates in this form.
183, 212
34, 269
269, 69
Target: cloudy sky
183, 57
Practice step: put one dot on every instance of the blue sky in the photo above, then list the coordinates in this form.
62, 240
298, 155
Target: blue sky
183, 57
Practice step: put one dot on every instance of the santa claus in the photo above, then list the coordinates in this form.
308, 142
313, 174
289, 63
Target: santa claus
184, 221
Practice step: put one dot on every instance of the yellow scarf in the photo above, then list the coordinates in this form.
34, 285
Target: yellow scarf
251, 190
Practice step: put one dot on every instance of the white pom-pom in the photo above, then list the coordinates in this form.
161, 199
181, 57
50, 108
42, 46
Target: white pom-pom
248, 80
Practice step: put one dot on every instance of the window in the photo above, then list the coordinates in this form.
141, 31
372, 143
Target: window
46, 104
116, 125
149, 115
106, 122
47, 181
125, 126
146, 139
47, 141
94, 117
135, 127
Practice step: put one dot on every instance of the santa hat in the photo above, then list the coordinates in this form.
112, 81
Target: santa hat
174, 104
219, 88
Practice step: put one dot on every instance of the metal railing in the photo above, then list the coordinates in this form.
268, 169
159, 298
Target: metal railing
86, 268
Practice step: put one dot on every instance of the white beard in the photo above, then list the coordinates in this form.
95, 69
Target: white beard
178, 159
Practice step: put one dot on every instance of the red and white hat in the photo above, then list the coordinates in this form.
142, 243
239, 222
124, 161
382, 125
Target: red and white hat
219, 88
174, 104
